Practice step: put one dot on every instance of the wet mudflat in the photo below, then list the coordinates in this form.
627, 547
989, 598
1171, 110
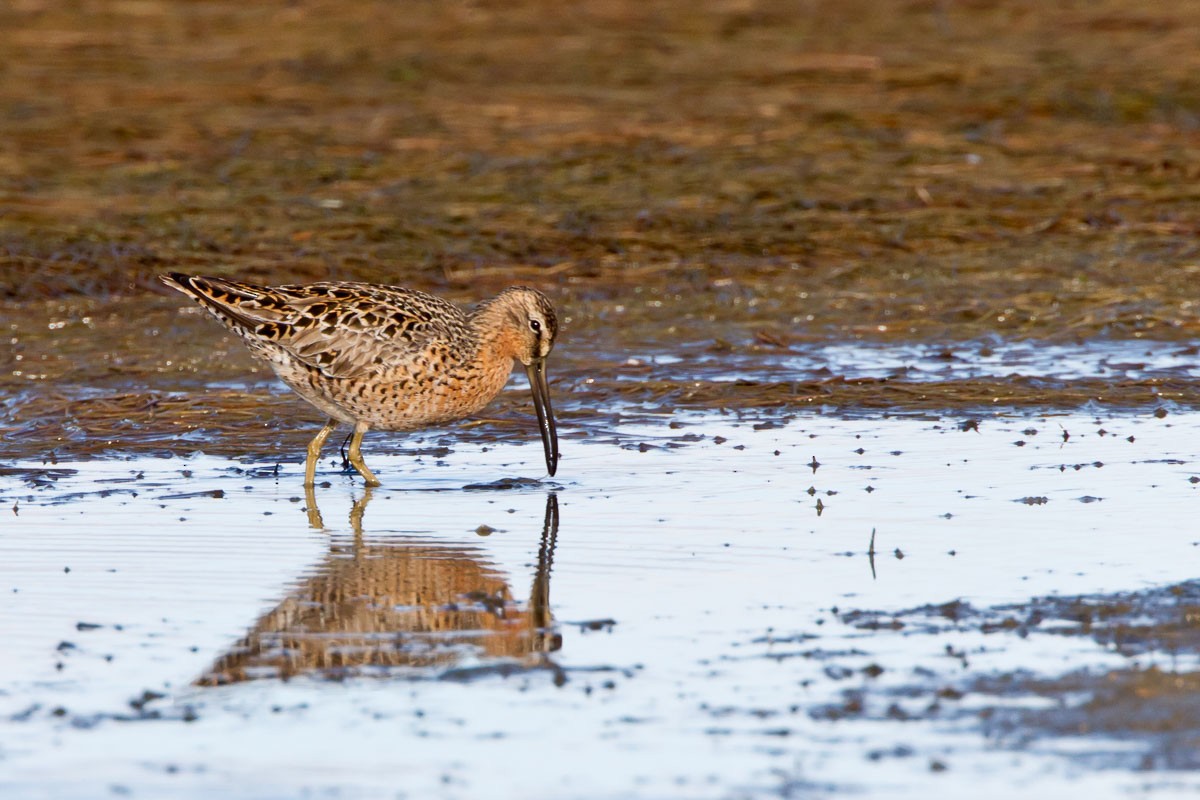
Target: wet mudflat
695, 607
877, 379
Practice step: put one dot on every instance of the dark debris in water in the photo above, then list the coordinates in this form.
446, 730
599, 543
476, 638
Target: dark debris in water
505, 484
214, 493
72, 497
37, 477
594, 625
255, 472
505, 669
1152, 701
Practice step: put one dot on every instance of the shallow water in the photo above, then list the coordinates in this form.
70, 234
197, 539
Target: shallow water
1113, 359
682, 612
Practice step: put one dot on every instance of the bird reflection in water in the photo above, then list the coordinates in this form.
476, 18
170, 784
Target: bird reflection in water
400, 605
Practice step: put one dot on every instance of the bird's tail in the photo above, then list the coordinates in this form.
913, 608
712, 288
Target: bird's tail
236, 304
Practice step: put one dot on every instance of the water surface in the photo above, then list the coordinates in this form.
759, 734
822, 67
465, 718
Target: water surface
688, 610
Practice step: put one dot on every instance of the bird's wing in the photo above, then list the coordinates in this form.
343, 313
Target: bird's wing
342, 329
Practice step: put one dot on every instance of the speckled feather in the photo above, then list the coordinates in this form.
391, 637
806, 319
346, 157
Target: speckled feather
392, 358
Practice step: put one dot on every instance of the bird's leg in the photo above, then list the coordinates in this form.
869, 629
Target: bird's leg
346, 461
314, 451
356, 455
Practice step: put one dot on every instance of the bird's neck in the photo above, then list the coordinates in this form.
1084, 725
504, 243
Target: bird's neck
491, 326
494, 346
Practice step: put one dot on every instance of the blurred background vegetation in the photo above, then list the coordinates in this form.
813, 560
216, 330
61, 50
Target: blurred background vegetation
1026, 166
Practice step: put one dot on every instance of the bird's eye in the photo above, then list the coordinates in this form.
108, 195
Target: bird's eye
535, 325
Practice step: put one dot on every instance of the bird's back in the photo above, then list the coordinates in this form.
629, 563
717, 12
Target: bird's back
396, 358
344, 330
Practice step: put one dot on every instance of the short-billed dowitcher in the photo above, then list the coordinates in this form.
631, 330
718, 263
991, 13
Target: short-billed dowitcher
387, 358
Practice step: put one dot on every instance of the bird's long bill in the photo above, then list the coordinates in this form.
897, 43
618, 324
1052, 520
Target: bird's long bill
536, 372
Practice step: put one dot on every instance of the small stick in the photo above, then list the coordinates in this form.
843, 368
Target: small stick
871, 553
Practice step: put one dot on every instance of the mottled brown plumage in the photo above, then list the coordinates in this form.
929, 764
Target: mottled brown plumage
384, 357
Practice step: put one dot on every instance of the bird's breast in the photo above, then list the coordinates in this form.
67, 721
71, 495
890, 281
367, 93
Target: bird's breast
425, 392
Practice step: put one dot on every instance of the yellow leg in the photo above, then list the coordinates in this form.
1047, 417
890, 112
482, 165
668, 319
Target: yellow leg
355, 453
314, 451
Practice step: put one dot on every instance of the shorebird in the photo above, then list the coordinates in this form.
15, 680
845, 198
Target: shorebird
387, 358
